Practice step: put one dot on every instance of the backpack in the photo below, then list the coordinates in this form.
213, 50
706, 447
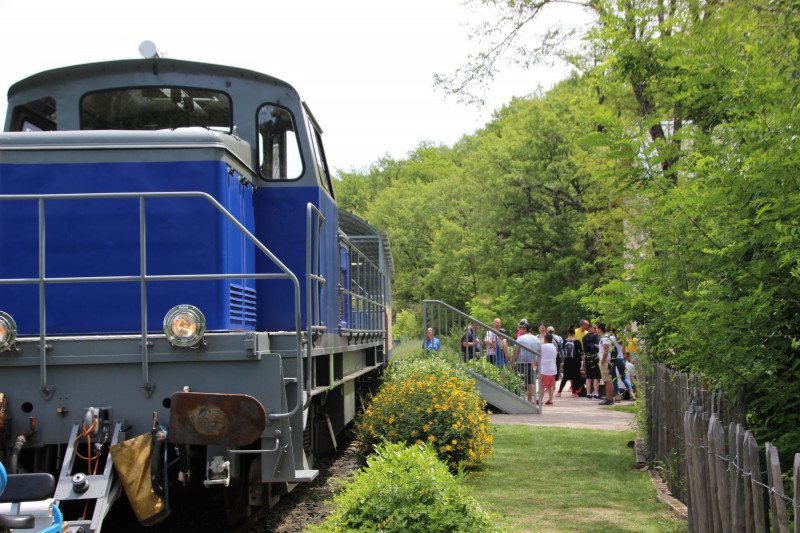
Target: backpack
580, 388
614, 351
560, 347
569, 349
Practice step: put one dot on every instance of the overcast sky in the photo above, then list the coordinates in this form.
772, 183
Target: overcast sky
365, 67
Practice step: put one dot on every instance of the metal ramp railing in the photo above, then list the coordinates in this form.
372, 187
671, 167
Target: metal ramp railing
498, 385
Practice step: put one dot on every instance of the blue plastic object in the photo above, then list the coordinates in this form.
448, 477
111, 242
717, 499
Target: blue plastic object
58, 518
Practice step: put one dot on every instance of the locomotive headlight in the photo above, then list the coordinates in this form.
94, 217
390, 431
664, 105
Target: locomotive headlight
8, 331
184, 325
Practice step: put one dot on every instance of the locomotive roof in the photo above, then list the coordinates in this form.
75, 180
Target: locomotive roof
156, 65
367, 238
54, 96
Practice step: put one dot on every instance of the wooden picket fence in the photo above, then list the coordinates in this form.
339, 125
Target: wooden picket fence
721, 481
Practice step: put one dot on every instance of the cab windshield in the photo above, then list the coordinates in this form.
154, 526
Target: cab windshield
156, 108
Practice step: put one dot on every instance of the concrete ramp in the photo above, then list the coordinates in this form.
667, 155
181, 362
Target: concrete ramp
506, 401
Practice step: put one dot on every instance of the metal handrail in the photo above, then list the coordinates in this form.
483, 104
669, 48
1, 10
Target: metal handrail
312, 279
467, 319
375, 306
143, 277
312, 267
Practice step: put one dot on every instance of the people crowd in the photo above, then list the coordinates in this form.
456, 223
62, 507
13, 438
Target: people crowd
590, 358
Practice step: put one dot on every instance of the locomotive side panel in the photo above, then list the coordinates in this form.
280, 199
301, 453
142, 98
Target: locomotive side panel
85, 238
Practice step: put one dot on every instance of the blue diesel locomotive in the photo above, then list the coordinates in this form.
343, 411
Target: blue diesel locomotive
182, 303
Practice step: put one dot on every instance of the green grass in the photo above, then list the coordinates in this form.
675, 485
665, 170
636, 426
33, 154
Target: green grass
567, 480
405, 347
629, 407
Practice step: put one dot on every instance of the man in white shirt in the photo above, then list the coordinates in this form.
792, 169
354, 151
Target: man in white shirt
525, 357
605, 359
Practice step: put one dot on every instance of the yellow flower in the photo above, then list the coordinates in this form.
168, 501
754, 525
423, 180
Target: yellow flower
431, 438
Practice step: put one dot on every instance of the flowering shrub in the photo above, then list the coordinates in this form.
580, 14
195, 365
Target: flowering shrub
405, 489
427, 400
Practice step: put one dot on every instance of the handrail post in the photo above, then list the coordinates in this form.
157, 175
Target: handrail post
312, 313
424, 321
146, 385
46, 389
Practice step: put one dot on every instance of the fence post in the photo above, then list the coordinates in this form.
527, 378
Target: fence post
716, 439
710, 521
759, 519
691, 492
715, 482
736, 442
780, 520
796, 480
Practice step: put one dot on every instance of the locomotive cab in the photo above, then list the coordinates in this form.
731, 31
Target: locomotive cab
177, 268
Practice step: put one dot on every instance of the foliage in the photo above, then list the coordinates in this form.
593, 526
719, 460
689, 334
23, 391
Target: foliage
405, 489
714, 279
657, 185
407, 325
427, 400
406, 348
506, 376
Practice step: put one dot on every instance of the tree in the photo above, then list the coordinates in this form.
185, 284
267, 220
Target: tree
715, 279
704, 172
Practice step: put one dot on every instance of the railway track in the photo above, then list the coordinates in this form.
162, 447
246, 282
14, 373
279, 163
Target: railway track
306, 504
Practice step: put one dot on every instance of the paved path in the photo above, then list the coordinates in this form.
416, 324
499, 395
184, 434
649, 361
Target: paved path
569, 412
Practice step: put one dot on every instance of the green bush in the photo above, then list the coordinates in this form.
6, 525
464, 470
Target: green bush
422, 362
407, 326
506, 377
405, 489
427, 400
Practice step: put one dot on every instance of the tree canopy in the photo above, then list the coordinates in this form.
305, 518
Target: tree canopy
659, 184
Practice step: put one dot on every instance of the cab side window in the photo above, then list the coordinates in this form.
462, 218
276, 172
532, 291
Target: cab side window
38, 115
278, 149
319, 158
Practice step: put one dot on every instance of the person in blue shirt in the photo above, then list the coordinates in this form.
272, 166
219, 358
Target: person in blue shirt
431, 343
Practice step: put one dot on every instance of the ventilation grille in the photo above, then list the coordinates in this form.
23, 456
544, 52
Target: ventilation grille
243, 306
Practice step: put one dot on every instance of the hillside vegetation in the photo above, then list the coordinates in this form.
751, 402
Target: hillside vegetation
659, 184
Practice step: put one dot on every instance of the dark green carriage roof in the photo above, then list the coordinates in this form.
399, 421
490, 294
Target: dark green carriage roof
158, 65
